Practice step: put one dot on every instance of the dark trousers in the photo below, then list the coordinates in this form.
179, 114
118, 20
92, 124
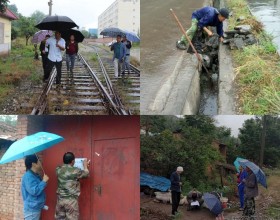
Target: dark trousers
50, 66
250, 207
175, 196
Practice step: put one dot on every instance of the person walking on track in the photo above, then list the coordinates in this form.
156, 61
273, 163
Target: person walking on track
201, 19
44, 54
72, 49
119, 55
126, 63
54, 46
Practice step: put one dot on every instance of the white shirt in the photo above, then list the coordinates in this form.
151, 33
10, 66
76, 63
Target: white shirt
54, 51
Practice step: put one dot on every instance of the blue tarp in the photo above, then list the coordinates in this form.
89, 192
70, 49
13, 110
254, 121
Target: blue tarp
155, 182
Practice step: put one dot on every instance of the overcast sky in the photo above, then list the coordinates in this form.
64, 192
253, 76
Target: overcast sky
83, 12
232, 121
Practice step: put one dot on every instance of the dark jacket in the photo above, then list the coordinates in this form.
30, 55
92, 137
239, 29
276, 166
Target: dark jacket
251, 186
208, 16
42, 47
76, 47
175, 182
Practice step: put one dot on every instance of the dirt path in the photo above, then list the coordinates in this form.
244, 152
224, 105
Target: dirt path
163, 211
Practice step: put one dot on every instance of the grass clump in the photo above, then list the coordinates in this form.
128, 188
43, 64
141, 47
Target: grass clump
19, 65
257, 67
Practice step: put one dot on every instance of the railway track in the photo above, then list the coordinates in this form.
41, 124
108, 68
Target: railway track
127, 86
79, 93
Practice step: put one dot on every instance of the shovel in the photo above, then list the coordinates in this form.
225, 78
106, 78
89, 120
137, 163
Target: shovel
190, 42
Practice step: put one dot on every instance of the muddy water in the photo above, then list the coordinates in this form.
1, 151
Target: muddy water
268, 12
159, 33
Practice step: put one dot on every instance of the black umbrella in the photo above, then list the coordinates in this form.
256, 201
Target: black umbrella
56, 23
112, 32
79, 37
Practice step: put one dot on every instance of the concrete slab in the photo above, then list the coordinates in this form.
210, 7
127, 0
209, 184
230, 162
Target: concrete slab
226, 96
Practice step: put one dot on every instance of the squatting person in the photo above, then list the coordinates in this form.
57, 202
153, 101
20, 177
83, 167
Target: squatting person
32, 189
201, 19
68, 190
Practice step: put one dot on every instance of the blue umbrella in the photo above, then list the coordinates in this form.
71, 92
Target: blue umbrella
236, 163
256, 170
30, 145
213, 203
132, 36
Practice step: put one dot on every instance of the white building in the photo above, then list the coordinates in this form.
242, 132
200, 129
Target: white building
124, 14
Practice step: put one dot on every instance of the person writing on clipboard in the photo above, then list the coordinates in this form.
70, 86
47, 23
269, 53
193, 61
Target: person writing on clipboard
68, 190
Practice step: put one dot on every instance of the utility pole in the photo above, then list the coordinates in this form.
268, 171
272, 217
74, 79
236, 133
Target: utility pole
50, 3
263, 134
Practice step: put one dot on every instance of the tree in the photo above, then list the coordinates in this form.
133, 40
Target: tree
3, 5
38, 16
26, 27
85, 33
13, 8
250, 137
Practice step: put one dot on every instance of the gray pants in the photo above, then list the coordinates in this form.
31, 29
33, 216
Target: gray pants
70, 59
117, 67
126, 64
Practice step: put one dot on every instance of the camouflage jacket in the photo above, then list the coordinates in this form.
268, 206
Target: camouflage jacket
68, 181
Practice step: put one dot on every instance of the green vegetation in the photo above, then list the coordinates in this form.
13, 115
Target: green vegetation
257, 67
18, 66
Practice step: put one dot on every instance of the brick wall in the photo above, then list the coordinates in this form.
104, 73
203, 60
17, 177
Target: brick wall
7, 188
20, 169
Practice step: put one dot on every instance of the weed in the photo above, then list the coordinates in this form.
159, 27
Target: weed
257, 67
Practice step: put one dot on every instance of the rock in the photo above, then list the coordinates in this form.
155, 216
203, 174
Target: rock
241, 18
250, 39
206, 60
239, 43
236, 43
227, 41
243, 28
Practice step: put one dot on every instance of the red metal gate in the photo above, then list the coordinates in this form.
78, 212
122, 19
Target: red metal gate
112, 144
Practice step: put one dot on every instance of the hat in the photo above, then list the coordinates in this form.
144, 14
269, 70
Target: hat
180, 169
224, 12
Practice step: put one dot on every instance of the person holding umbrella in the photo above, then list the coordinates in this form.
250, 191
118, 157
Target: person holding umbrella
126, 63
54, 46
176, 184
72, 49
119, 55
251, 191
32, 188
240, 184
44, 55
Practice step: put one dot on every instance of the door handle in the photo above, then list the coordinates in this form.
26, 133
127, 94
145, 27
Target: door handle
98, 189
